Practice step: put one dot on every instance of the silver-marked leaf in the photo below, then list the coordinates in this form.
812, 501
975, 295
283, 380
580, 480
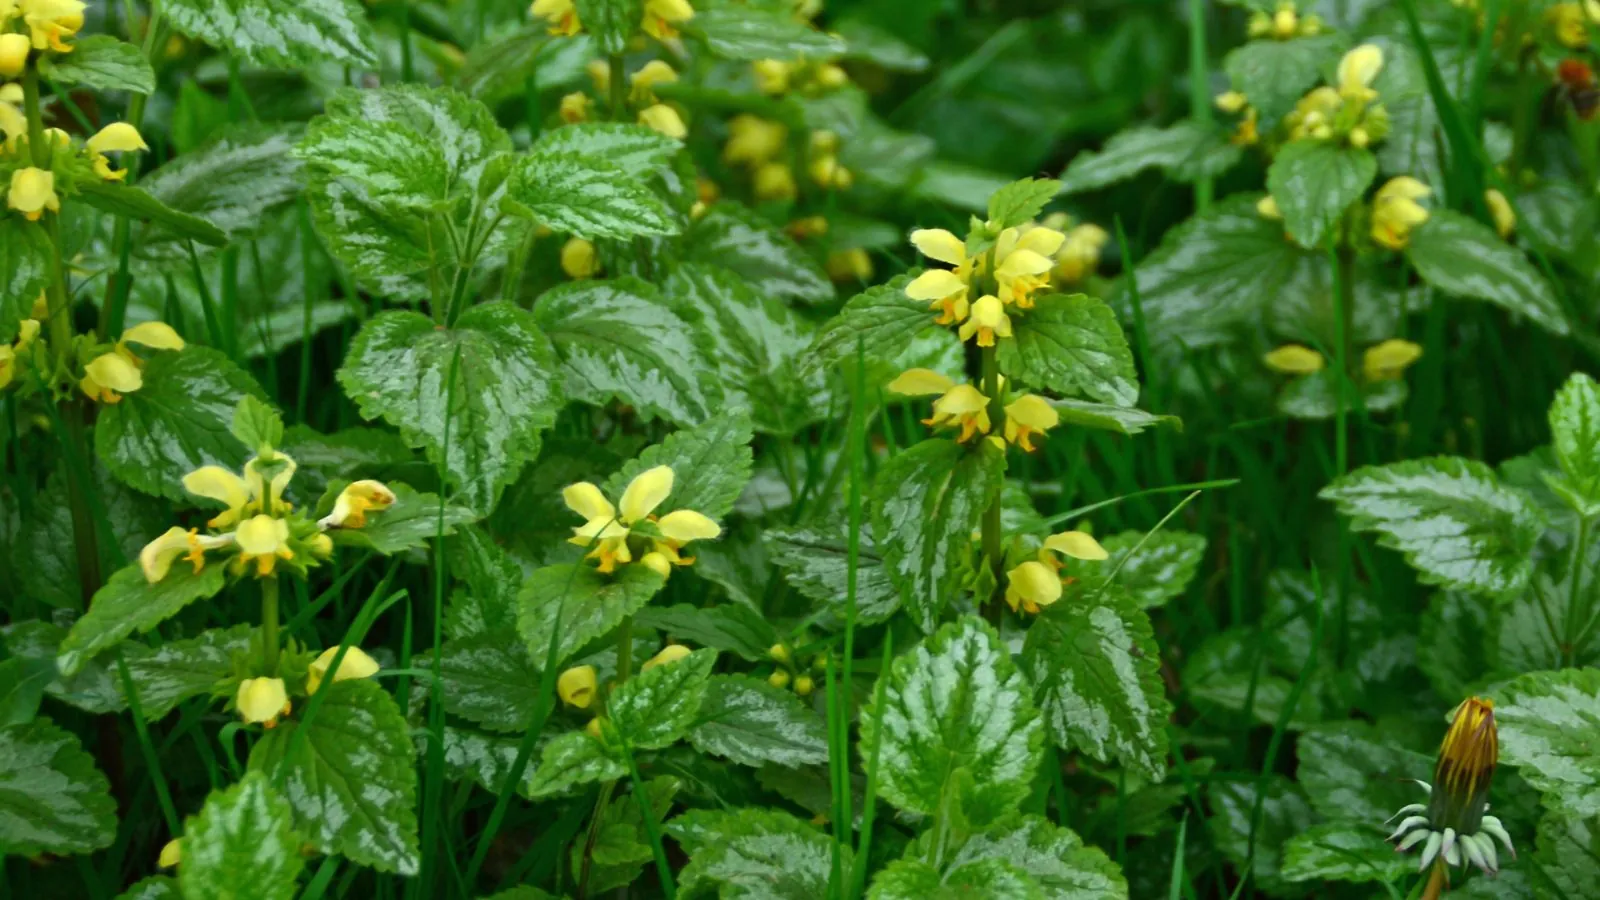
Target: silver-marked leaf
589, 197
475, 397
25, 255
137, 205
1276, 74
177, 670
621, 848
730, 627
102, 62
710, 464
1568, 857
751, 33
926, 504
1456, 524
1187, 149
753, 854
1071, 344
1284, 812
582, 603
1096, 670
1343, 851
241, 846
1314, 183
739, 239
1550, 730
1053, 856
283, 33
620, 339
350, 775
176, 422
572, 759
751, 722
386, 158
984, 879
656, 707
488, 679
816, 562
955, 703
632, 148
156, 887
1351, 772
1465, 258
1154, 573
486, 759
129, 603
52, 798
880, 323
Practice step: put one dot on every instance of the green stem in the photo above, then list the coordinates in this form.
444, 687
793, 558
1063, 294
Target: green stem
269, 622
1569, 640
624, 649
651, 827
114, 305
993, 550
618, 88
1199, 89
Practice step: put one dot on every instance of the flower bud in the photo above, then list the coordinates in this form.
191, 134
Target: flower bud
779, 679
577, 686
669, 654
578, 259
803, 685
13, 54
171, 854
262, 700
779, 652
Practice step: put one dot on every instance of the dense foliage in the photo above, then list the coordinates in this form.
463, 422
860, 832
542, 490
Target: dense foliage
749, 449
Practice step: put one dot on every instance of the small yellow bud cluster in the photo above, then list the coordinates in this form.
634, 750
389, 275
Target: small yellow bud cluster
789, 673
1284, 23
1396, 212
32, 191
1023, 259
660, 17
1348, 112
762, 147
1234, 103
775, 77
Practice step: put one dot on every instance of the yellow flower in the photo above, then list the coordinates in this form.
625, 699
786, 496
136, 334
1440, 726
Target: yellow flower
356, 664
107, 377
774, 181
1395, 211
779, 679
157, 557
33, 191
13, 124
1386, 361
578, 259
679, 528
988, 320
1023, 260
1246, 134
1285, 23
1313, 115
269, 495
606, 528
1080, 253
826, 172
1469, 752
50, 21
561, 14
1505, 218
1294, 359
645, 80
849, 265
8, 365
669, 654
1267, 208
660, 17
944, 289
171, 854
657, 563
958, 405
118, 137
772, 75
577, 686
599, 73
1076, 544
575, 107
807, 228
753, 141
830, 77
13, 54
664, 119
355, 501
1569, 24
593, 728
1231, 102
1032, 586
263, 540
217, 483
1027, 416
262, 700
321, 545
1357, 70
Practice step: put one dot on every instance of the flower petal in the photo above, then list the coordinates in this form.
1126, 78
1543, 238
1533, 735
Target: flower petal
1076, 544
935, 284
645, 492
920, 383
687, 525
937, 243
586, 500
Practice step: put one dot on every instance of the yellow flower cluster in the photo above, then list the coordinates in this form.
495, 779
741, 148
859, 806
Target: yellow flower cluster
775, 77
1396, 212
1284, 23
27, 330
1569, 22
1348, 112
1022, 259
109, 375
607, 529
32, 190
576, 106
264, 700
1037, 582
1385, 361
49, 23
964, 406
660, 21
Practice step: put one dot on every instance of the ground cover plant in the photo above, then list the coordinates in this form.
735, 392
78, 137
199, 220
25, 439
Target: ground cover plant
767, 449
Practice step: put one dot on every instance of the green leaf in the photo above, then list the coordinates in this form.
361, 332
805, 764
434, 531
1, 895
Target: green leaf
350, 776
474, 397
583, 603
610, 22
985, 879
1156, 572
1314, 183
1276, 74
1352, 772
128, 603
1450, 517
1465, 258
94, 689
485, 759
926, 503
816, 562
752, 33
620, 339
751, 722
177, 670
710, 465
233, 182
1105, 417
135, 204
770, 262
1453, 642
22, 687
156, 887
464, 130
955, 704
1071, 344
1568, 857
178, 421
881, 322
52, 798
1096, 669
572, 759
1549, 729
385, 157
1283, 813
241, 846
622, 845
257, 425
1186, 147
1316, 396
1021, 201
1342, 851
656, 707
586, 196
753, 854
731, 627
43, 554
1054, 857
350, 454
631, 148
1575, 429
102, 62
280, 33
412, 521
754, 341
25, 259
488, 679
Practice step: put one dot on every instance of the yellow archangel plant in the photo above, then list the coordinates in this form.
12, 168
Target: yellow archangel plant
615, 534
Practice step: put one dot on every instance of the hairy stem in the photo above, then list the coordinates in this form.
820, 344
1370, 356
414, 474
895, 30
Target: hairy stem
269, 622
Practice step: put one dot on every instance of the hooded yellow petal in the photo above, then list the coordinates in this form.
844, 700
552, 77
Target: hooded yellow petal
113, 370
1022, 261
1076, 544
262, 535
355, 501
657, 563
32, 192
963, 399
1294, 359
1032, 585
1403, 187
669, 654
586, 500
936, 243
217, 483
1033, 411
118, 137
356, 664
664, 119
1385, 361
684, 525
261, 700
155, 335
577, 685
1044, 241
171, 854
935, 284
1358, 69
920, 383
645, 492
157, 556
